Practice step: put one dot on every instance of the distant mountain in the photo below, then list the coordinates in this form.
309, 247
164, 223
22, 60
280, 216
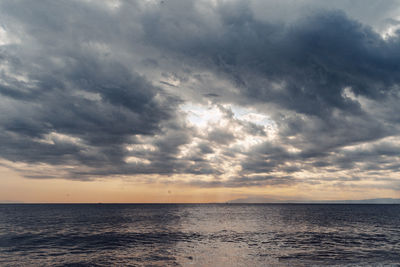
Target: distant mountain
370, 201
362, 201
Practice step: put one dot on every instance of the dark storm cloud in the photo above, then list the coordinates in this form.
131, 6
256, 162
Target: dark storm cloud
87, 85
315, 58
76, 106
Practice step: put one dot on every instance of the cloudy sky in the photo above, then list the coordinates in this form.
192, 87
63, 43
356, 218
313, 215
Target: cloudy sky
198, 101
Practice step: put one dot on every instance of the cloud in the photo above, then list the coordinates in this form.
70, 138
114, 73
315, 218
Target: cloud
99, 90
73, 105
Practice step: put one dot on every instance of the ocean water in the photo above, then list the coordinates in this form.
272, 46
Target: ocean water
199, 235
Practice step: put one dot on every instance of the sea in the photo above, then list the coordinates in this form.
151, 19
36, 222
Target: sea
199, 235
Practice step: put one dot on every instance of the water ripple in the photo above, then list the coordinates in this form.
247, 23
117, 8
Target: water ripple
199, 235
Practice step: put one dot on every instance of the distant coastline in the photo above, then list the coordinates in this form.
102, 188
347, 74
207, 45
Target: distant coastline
251, 200
248, 200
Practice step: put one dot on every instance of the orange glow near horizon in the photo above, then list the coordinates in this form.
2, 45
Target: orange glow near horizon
14, 188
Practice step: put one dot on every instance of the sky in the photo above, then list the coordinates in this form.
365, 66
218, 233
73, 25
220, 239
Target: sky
199, 101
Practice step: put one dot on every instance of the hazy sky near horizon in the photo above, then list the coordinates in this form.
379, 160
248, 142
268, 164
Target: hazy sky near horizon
211, 99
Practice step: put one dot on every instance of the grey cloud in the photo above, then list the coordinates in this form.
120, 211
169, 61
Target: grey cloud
246, 181
220, 136
266, 158
205, 148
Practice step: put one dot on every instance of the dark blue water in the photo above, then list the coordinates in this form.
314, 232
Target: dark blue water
199, 235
